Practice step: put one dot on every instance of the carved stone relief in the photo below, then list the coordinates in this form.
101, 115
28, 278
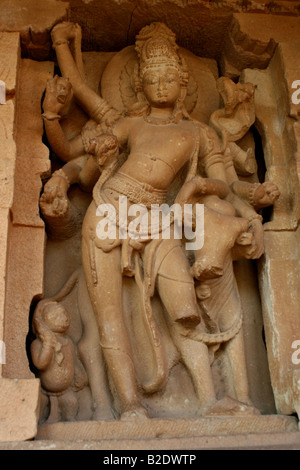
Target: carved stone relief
153, 338
169, 209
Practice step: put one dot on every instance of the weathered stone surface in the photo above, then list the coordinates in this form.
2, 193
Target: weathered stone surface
258, 367
266, 28
251, 40
9, 60
25, 265
273, 123
34, 20
23, 283
19, 409
290, 56
228, 39
279, 278
127, 17
9, 66
166, 429
8, 153
279, 268
33, 156
261, 441
124, 88
4, 217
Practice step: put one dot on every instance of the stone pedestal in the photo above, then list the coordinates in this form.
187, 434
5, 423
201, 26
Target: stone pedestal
19, 409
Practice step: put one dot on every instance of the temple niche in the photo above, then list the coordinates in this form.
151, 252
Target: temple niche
114, 326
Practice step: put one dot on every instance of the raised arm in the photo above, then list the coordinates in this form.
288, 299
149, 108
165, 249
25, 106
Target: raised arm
213, 163
212, 159
95, 106
57, 98
193, 189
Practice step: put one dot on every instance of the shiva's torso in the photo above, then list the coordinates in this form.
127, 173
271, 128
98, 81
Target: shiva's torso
156, 151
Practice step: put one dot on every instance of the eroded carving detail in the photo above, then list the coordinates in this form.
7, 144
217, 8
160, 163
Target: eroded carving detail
158, 306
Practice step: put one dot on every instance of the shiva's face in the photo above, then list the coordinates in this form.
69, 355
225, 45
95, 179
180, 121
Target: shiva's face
161, 85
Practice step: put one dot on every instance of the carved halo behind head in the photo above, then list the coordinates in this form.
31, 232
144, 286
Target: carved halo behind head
121, 83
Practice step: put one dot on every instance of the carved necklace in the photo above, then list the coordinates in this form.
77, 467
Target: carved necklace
158, 121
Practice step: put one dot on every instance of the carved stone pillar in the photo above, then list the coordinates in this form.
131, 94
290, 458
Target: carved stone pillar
277, 122
24, 159
18, 387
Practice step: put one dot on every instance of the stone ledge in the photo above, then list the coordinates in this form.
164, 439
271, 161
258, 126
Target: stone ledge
263, 441
156, 429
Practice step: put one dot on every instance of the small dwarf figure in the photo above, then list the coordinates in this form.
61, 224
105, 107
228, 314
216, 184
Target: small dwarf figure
54, 355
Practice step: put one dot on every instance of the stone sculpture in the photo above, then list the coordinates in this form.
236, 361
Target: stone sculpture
148, 152
53, 353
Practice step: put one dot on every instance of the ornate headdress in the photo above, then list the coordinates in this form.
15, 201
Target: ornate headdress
156, 45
